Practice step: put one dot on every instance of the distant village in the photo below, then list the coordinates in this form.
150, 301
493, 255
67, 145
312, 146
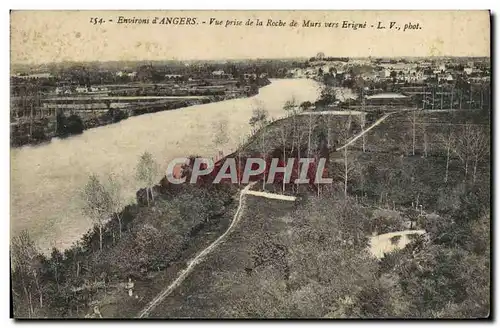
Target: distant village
425, 83
404, 70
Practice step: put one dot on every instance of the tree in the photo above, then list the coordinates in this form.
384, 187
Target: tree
423, 126
241, 146
284, 135
305, 105
329, 130
116, 199
146, 172
263, 149
56, 265
349, 168
259, 117
220, 133
97, 203
291, 109
479, 147
349, 165
470, 145
290, 106
258, 120
413, 120
26, 265
327, 96
311, 124
362, 123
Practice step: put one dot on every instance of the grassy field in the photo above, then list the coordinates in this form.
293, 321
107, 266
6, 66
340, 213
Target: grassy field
116, 302
281, 132
197, 297
387, 180
389, 171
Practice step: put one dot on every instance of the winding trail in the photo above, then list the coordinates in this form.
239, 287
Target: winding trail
198, 258
380, 120
237, 216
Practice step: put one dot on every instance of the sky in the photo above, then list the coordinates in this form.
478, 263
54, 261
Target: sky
53, 36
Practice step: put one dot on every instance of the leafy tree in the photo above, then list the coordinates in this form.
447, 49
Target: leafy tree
259, 117
146, 172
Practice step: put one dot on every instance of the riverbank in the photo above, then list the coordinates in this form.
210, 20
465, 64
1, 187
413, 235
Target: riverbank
158, 240
42, 130
46, 179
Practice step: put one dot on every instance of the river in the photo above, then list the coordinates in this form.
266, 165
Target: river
46, 179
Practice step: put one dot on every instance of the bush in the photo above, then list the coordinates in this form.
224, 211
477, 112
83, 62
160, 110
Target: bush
395, 240
385, 221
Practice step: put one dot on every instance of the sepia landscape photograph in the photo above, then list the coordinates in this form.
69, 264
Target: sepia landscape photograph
250, 164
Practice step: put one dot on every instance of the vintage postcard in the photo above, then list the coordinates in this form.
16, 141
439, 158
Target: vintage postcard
250, 164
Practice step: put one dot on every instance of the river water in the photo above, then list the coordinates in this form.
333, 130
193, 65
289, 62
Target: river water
46, 180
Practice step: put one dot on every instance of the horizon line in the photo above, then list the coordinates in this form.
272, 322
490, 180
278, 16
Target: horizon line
238, 59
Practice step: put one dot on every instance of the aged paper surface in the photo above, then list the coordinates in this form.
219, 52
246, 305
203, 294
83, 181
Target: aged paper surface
250, 164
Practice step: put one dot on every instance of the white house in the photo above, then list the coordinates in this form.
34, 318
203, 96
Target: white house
81, 89
218, 73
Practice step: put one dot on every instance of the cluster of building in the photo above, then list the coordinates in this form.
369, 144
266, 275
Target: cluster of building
69, 90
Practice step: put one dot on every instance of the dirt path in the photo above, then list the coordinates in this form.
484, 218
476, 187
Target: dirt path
198, 258
271, 195
377, 122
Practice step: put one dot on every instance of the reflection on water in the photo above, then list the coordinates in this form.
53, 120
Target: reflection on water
46, 179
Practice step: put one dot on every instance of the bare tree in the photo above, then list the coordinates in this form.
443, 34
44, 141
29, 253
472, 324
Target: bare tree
240, 148
447, 141
423, 126
146, 172
452, 94
413, 120
26, 263
284, 138
470, 145
329, 130
479, 147
258, 120
220, 133
291, 108
362, 123
348, 170
263, 149
311, 125
97, 203
116, 199
349, 165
